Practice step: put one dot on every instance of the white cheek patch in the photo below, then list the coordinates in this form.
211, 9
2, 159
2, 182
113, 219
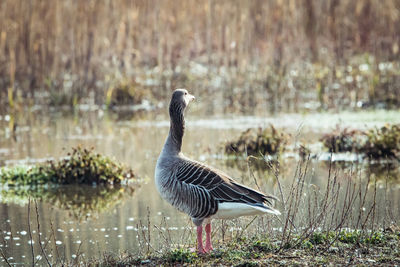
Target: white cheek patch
186, 100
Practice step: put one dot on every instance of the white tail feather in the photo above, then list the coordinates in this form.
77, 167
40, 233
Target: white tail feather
231, 210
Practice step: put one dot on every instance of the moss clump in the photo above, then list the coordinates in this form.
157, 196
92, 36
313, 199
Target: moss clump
181, 256
23, 175
349, 237
81, 166
263, 245
247, 263
318, 238
376, 143
268, 141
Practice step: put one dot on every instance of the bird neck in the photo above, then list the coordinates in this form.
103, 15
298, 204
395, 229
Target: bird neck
176, 130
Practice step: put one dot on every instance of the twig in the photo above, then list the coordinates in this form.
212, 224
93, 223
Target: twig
77, 254
148, 230
251, 174
160, 231
223, 230
276, 174
38, 228
146, 237
247, 226
372, 210
30, 232
54, 240
4, 257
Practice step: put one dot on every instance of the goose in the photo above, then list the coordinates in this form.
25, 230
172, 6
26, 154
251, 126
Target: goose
201, 191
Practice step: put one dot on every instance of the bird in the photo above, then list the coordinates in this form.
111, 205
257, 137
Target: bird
199, 190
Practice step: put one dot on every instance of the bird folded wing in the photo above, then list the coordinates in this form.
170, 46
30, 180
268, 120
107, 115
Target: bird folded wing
219, 185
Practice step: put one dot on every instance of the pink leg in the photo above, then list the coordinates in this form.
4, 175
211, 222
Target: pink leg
208, 238
200, 248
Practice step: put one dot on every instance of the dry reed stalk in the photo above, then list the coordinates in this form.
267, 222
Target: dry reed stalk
39, 234
30, 232
5, 258
63, 47
54, 242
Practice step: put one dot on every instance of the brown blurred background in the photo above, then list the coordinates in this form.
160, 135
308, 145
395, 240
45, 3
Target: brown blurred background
276, 55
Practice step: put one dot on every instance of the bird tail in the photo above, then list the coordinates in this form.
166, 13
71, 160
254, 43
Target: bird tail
267, 209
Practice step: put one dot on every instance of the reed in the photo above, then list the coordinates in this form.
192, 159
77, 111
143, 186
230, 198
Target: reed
69, 52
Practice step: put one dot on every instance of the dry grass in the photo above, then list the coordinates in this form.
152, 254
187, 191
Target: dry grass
330, 222
341, 214
347, 200
63, 51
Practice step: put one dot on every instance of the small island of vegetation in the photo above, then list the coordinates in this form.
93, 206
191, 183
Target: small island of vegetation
81, 166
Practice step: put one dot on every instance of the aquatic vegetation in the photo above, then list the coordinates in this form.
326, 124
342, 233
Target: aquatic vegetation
125, 92
61, 98
319, 237
260, 142
81, 166
345, 140
23, 175
382, 142
376, 143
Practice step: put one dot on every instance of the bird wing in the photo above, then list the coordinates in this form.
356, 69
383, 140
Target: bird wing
219, 185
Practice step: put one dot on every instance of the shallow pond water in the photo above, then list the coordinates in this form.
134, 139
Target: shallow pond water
90, 221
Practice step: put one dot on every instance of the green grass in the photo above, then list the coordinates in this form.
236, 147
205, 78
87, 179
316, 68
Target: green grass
260, 251
181, 256
81, 166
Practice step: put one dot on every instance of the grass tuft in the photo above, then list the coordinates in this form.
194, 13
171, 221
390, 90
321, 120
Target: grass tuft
81, 166
345, 140
259, 251
383, 142
268, 141
181, 256
376, 143
125, 92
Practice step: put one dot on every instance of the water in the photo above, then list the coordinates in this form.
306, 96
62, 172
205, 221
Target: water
89, 221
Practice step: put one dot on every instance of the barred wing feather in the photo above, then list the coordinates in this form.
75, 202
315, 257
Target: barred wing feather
219, 187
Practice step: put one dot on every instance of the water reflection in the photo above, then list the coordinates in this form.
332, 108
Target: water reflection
385, 171
78, 201
116, 214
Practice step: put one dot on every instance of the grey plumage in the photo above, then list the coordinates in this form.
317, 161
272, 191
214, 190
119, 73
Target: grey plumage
193, 187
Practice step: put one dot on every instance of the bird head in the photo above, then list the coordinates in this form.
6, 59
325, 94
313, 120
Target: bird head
181, 98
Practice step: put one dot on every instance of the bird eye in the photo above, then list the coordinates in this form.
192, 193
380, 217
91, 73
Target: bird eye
185, 93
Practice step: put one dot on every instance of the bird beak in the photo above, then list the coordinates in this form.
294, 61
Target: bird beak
191, 98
